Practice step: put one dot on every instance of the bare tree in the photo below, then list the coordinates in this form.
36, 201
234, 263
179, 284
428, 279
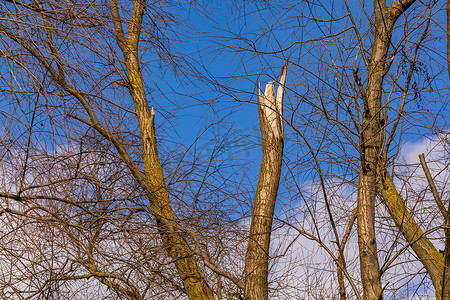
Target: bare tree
50, 42
104, 198
363, 78
46, 49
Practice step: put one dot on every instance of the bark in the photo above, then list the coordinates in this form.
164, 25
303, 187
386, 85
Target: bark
370, 269
271, 125
371, 144
372, 139
431, 259
446, 273
174, 243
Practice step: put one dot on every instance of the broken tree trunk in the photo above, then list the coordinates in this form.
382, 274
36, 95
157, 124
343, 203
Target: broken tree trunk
271, 125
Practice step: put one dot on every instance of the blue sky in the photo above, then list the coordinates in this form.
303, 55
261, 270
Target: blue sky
206, 102
220, 107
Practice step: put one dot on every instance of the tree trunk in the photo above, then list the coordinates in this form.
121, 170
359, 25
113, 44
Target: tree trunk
175, 245
370, 269
372, 139
271, 125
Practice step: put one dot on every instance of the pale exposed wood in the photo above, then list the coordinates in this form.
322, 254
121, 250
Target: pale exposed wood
271, 125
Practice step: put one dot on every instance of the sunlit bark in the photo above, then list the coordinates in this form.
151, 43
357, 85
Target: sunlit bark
372, 139
421, 245
272, 135
176, 246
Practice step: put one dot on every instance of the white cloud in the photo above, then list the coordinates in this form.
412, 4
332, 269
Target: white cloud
302, 269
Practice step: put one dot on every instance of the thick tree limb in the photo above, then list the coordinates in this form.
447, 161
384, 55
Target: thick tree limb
432, 260
174, 243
